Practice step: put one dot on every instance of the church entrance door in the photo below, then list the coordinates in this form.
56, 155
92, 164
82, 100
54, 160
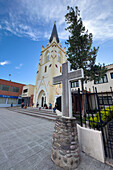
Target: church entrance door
42, 104
41, 98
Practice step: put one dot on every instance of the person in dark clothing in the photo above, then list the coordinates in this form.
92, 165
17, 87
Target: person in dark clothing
37, 104
22, 105
54, 109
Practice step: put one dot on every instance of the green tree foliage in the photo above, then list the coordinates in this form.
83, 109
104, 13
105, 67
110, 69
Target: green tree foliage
80, 52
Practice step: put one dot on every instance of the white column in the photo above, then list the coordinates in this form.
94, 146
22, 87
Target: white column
70, 99
7, 100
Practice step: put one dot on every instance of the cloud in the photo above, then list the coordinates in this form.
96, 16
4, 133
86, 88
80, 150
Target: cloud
21, 30
4, 63
19, 67
34, 18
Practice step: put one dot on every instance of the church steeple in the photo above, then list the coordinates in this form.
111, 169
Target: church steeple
54, 33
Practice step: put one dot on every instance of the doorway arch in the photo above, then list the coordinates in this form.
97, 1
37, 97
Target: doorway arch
41, 98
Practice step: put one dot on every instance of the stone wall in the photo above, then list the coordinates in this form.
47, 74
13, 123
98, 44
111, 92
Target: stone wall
65, 148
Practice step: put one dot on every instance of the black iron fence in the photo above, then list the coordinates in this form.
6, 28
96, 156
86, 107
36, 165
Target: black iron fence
96, 112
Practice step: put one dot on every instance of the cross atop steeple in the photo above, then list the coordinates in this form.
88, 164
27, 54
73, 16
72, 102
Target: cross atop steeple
54, 33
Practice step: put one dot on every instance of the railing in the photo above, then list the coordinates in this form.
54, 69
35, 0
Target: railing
97, 109
96, 112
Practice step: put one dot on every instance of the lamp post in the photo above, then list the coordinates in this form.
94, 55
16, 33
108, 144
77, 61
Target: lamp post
9, 77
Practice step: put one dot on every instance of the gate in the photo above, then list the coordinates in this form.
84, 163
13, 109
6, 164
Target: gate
98, 115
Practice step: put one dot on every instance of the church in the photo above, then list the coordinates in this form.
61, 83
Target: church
50, 65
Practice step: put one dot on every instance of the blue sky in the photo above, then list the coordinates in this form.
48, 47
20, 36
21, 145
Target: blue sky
26, 25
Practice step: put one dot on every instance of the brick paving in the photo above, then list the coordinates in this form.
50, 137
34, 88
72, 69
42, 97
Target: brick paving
25, 144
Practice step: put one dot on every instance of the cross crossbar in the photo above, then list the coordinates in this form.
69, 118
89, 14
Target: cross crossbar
65, 79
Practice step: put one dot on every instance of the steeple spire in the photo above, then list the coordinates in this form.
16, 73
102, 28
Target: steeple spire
54, 34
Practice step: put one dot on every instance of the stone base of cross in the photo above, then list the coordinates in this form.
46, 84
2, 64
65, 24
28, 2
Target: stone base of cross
65, 79
65, 147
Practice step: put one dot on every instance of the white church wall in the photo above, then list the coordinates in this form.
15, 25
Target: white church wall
41, 84
41, 89
43, 68
91, 142
44, 79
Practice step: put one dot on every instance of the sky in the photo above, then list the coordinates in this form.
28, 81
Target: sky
26, 25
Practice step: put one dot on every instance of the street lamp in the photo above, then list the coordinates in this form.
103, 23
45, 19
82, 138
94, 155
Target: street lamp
9, 77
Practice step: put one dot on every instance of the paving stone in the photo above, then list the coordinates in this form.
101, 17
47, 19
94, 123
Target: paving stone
38, 148
40, 141
34, 160
24, 165
45, 144
28, 153
23, 148
5, 166
49, 164
32, 144
18, 135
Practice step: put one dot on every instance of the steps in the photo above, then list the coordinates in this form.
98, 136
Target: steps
35, 112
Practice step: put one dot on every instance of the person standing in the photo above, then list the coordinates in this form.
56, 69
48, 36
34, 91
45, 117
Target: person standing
54, 109
22, 104
37, 105
50, 106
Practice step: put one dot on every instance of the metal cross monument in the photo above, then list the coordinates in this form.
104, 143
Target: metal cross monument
66, 78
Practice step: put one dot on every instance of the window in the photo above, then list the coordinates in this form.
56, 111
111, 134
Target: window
75, 84
60, 69
11, 100
45, 69
14, 89
48, 57
2, 100
4, 87
59, 58
25, 90
105, 100
102, 80
111, 75
85, 81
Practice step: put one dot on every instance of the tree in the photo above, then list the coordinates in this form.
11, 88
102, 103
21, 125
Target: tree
80, 52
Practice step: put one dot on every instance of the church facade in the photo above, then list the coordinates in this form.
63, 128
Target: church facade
50, 65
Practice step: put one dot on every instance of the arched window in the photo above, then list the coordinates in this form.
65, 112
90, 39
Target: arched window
59, 58
45, 69
47, 59
46, 56
60, 69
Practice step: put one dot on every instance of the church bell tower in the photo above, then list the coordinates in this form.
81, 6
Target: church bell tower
50, 65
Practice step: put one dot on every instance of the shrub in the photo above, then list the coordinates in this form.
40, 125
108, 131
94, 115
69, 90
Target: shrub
106, 115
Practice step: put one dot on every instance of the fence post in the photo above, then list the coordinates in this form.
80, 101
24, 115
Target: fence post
111, 91
98, 108
100, 121
80, 106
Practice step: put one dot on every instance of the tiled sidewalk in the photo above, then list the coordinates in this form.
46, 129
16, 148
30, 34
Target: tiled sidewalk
25, 144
